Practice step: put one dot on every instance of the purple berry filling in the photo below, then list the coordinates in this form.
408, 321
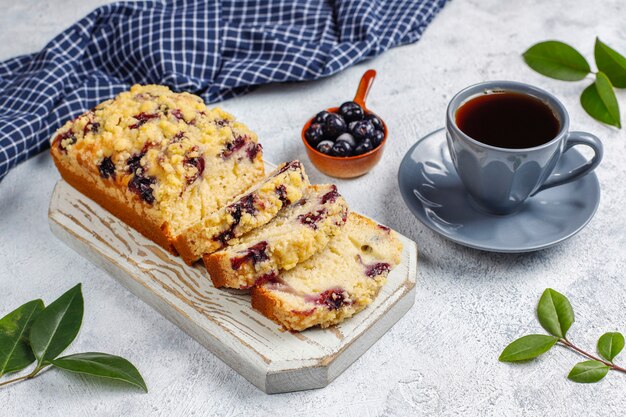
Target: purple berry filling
134, 163
290, 165
293, 165
263, 279
253, 150
333, 298
330, 196
67, 135
177, 137
311, 219
245, 204
234, 146
255, 254
92, 127
142, 186
107, 168
377, 269
281, 191
178, 114
142, 118
196, 162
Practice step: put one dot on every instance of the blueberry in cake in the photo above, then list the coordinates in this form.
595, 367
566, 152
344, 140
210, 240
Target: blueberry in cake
334, 284
192, 178
254, 208
298, 232
158, 160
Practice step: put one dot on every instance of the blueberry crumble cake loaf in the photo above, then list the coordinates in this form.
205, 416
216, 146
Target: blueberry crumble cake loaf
334, 284
158, 160
298, 232
254, 208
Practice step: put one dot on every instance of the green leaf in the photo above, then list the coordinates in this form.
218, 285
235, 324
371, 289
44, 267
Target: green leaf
527, 347
588, 371
555, 313
612, 63
599, 101
15, 352
102, 365
610, 345
57, 326
557, 60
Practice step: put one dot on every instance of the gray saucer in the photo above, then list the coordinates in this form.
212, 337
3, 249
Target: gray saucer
434, 193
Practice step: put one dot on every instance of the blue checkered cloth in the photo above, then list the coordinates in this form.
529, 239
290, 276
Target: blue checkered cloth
214, 48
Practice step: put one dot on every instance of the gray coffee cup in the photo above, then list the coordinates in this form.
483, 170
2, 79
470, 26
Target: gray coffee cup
499, 180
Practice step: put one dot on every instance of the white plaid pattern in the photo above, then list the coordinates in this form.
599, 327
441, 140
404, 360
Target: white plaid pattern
214, 48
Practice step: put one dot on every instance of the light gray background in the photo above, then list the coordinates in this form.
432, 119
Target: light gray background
441, 358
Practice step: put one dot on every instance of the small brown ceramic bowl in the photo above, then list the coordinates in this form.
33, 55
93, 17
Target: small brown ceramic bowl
349, 166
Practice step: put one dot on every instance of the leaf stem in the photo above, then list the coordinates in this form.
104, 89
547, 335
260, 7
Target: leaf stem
29, 376
14, 380
611, 365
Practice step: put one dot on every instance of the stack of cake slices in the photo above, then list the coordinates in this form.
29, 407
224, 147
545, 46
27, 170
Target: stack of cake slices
307, 260
192, 180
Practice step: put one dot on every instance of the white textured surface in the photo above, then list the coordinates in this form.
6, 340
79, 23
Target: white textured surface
441, 358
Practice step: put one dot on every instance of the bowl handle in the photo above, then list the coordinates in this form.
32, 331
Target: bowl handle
364, 87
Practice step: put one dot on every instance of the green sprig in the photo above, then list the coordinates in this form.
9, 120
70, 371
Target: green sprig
33, 333
556, 315
561, 61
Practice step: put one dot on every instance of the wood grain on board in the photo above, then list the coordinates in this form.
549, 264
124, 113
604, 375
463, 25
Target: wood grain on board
223, 320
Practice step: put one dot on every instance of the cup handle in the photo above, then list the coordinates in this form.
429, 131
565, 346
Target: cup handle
573, 139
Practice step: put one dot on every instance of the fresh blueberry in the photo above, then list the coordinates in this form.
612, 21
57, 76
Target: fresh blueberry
325, 146
378, 124
363, 147
342, 148
377, 138
351, 111
320, 118
335, 125
348, 138
314, 134
362, 129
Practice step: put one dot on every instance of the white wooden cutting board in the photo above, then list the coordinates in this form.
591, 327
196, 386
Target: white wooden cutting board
223, 320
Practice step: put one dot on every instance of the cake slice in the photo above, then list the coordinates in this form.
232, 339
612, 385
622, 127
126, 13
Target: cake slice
298, 232
334, 284
158, 160
254, 208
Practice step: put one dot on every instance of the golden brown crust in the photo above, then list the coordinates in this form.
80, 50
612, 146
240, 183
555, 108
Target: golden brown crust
215, 267
273, 308
119, 209
184, 250
263, 301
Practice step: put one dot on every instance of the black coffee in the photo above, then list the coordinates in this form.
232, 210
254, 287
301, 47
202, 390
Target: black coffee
508, 120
